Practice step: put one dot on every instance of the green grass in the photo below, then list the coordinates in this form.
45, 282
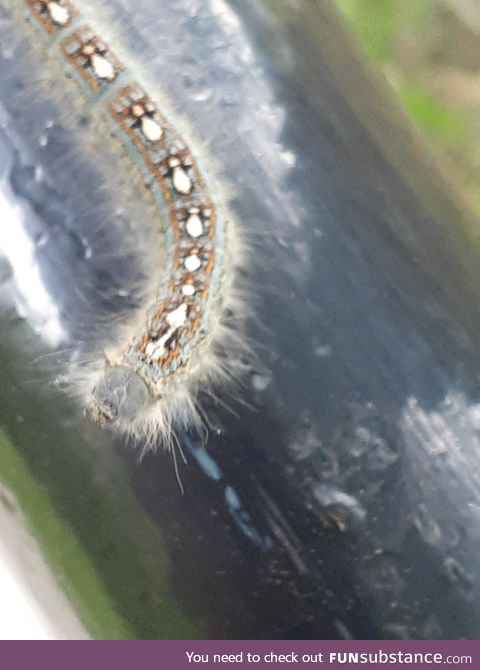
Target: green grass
404, 39
437, 121
375, 23
66, 556
380, 24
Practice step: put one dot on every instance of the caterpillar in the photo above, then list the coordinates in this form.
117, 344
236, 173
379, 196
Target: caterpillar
185, 339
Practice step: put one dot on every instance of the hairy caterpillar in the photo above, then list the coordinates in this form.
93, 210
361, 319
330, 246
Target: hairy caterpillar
150, 379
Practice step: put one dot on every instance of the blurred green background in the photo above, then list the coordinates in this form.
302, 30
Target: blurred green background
429, 51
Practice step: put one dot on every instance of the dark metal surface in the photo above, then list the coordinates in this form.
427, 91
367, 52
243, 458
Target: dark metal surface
339, 496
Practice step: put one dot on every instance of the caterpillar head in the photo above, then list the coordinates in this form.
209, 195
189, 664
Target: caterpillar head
118, 398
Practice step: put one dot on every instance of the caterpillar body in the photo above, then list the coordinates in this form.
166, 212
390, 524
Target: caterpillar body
149, 380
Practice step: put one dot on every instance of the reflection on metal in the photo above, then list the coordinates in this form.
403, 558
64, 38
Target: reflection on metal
234, 505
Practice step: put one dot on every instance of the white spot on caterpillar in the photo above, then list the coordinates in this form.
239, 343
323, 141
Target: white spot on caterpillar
180, 179
138, 111
177, 318
194, 225
192, 263
188, 290
102, 67
156, 348
59, 14
151, 129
